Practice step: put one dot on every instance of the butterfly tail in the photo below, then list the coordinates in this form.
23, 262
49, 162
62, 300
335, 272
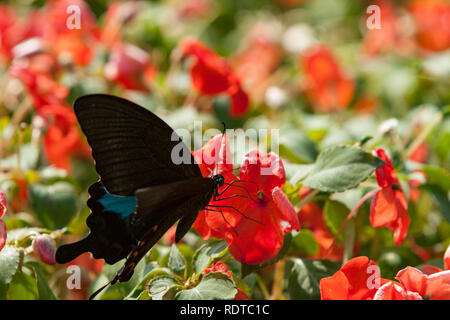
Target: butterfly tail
68, 252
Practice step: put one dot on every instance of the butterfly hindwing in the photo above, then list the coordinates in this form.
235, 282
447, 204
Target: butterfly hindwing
110, 237
189, 196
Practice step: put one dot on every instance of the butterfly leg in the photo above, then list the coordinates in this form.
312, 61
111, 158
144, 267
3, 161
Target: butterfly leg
240, 212
223, 216
217, 194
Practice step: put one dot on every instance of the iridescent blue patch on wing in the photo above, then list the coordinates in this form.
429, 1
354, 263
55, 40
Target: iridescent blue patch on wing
122, 206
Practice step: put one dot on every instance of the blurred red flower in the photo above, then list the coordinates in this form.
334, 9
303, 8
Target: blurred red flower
63, 137
117, 15
256, 63
389, 206
40, 85
311, 217
77, 42
392, 36
432, 18
255, 233
327, 86
130, 67
14, 30
212, 75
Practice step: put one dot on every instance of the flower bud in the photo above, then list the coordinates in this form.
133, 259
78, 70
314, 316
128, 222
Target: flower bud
45, 247
2, 234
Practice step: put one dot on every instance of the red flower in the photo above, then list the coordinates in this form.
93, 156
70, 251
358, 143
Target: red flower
76, 43
63, 137
212, 75
117, 15
354, 281
433, 23
311, 217
3, 210
256, 63
415, 285
391, 36
255, 232
40, 85
327, 86
389, 206
14, 30
130, 67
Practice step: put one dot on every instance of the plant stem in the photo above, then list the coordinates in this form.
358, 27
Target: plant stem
263, 287
350, 215
423, 135
306, 199
277, 287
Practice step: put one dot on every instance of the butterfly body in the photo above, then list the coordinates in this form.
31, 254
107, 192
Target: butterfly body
142, 192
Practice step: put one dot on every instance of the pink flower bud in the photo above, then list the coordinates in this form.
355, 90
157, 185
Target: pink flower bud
3, 207
45, 247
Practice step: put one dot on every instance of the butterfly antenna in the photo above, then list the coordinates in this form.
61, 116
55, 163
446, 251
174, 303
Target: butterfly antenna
220, 148
92, 296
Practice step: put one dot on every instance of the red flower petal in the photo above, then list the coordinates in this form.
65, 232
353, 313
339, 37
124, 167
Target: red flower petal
207, 157
286, 209
350, 282
385, 174
383, 208
2, 234
413, 280
267, 172
394, 291
257, 242
335, 287
389, 209
447, 258
218, 266
3, 206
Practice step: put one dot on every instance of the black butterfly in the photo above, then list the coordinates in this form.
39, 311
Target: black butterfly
141, 192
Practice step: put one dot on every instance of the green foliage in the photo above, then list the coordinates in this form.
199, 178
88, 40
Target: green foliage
341, 168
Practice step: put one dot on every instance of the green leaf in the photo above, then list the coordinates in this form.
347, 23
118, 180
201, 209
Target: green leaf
214, 286
54, 204
29, 155
297, 147
305, 277
246, 269
159, 286
206, 254
44, 290
9, 261
341, 168
22, 287
440, 197
305, 241
437, 176
335, 214
177, 262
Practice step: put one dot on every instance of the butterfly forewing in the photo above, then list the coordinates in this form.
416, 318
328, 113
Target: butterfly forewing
131, 146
